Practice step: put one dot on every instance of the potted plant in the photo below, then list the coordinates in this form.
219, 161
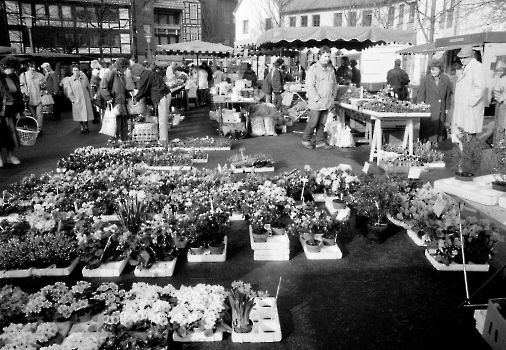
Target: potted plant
307, 221
299, 185
212, 227
374, 198
468, 153
332, 227
337, 182
242, 298
499, 168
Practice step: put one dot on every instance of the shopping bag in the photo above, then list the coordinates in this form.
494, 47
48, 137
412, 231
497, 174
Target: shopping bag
136, 108
287, 98
46, 100
257, 126
270, 128
109, 121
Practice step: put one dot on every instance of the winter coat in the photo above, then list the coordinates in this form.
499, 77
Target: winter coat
30, 86
470, 99
321, 87
113, 88
79, 91
277, 81
398, 80
439, 98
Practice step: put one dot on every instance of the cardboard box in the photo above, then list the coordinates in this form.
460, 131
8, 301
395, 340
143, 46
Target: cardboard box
494, 330
231, 117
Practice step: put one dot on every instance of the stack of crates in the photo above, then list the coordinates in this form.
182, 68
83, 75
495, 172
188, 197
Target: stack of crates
277, 248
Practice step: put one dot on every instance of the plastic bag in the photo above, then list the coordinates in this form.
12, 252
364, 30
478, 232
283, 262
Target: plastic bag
269, 126
257, 126
287, 98
109, 121
46, 100
136, 108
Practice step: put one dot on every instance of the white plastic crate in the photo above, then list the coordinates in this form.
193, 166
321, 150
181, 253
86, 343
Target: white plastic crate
231, 117
266, 325
159, 269
473, 191
145, 132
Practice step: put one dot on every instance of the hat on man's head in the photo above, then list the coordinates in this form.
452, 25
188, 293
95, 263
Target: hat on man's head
466, 51
45, 65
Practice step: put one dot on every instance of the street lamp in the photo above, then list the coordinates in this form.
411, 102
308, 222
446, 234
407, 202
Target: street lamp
147, 35
29, 23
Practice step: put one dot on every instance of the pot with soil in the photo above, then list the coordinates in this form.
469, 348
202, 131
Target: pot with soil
376, 231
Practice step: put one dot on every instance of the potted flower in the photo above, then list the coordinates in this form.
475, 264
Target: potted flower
242, 298
499, 168
337, 182
307, 221
299, 184
212, 228
374, 198
480, 237
198, 309
468, 153
332, 227
12, 299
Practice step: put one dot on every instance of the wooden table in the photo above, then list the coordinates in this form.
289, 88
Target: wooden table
377, 135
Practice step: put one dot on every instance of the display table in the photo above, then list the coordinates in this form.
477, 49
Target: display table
409, 119
222, 100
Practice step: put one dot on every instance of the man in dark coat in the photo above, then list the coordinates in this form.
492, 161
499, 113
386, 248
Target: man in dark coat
398, 81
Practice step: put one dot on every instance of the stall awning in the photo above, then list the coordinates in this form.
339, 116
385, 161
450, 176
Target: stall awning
419, 49
456, 42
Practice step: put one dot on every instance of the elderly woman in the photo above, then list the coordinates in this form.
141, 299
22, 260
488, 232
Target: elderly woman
435, 90
80, 95
31, 83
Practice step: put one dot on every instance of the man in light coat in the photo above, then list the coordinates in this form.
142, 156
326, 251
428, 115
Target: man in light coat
321, 91
469, 95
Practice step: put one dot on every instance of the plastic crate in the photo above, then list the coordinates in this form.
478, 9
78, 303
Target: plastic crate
145, 132
494, 329
231, 117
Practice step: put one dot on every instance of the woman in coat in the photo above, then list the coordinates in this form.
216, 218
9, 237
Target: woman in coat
469, 94
435, 90
80, 95
31, 82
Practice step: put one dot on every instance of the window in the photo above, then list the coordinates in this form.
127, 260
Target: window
316, 20
303, 21
338, 19
245, 27
367, 18
268, 23
292, 21
352, 19
12, 10
442, 18
412, 9
66, 13
401, 14
391, 15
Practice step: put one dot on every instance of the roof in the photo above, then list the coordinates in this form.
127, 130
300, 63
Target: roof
169, 4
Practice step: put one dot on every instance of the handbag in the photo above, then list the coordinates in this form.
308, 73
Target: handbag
136, 108
109, 122
46, 99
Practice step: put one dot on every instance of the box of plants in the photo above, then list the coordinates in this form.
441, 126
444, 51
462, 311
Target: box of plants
402, 164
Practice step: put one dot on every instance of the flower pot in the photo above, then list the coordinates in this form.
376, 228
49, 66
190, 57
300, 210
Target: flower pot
216, 248
499, 186
329, 241
243, 328
278, 230
260, 237
313, 245
376, 231
180, 242
464, 176
197, 248
338, 204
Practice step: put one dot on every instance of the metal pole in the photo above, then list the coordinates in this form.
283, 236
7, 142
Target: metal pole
31, 40
463, 253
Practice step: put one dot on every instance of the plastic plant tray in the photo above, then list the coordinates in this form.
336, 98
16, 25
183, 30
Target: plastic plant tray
274, 242
456, 267
198, 337
271, 254
415, 238
159, 269
328, 252
474, 191
169, 167
54, 271
207, 256
251, 169
110, 269
266, 325
16, 273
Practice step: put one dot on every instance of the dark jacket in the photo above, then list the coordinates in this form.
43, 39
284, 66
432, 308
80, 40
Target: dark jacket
250, 75
151, 85
277, 81
398, 80
344, 75
113, 88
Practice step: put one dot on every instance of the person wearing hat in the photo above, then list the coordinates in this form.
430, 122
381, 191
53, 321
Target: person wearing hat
31, 82
398, 80
469, 94
52, 87
277, 83
249, 74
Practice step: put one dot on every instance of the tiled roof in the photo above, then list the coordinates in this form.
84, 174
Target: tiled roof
169, 4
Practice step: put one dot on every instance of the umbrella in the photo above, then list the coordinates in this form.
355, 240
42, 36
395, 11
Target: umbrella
350, 38
197, 47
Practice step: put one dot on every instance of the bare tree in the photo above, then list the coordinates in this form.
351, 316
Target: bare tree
213, 28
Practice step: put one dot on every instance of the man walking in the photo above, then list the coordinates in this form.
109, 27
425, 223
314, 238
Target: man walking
52, 87
321, 91
398, 80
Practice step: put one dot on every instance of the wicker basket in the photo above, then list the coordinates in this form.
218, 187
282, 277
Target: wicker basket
145, 132
27, 128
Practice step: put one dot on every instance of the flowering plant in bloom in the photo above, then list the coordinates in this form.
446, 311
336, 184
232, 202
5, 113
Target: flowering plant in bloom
27, 336
146, 305
108, 299
242, 299
12, 300
55, 301
298, 183
337, 181
77, 341
198, 307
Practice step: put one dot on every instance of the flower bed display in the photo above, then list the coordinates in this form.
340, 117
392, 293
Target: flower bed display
204, 144
259, 162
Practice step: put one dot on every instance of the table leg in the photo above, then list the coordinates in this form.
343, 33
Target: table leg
368, 131
376, 140
408, 136
220, 119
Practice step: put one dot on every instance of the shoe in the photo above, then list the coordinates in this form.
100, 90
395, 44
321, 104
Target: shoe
308, 145
324, 146
13, 160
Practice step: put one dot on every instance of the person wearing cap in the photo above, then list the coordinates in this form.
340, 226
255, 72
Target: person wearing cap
398, 81
469, 94
52, 87
321, 91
